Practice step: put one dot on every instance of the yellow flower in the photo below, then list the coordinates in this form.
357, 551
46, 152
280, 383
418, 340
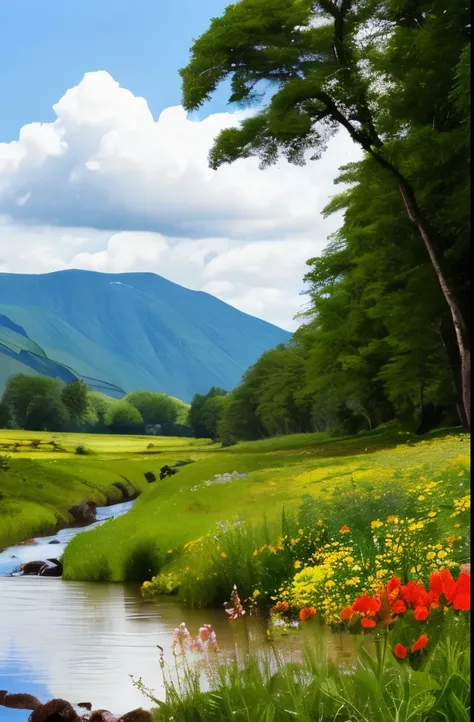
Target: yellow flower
430, 556
330, 584
442, 554
224, 555
451, 539
255, 553
421, 497
297, 564
432, 514
392, 519
301, 532
170, 551
376, 524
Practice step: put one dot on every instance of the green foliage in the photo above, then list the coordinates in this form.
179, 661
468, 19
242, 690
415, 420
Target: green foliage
122, 417
4, 462
206, 412
154, 408
82, 450
75, 398
143, 561
5, 415
21, 390
396, 77
46, 413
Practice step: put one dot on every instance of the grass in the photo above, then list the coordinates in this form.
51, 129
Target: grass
46, 476
178, 510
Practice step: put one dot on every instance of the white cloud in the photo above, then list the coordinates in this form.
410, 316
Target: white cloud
108, 187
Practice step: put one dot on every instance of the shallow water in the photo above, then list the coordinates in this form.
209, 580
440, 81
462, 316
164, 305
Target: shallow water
81, 641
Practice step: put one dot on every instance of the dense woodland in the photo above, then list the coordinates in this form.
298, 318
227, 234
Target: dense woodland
384, 335
40, 403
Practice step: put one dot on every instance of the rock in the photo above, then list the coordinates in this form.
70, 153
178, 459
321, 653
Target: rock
19, 701
167, 471
137, 715
31, 567
103, 715
85, 705
150, 477
84, 513
56, 710
28, 542
54, 541
51, 568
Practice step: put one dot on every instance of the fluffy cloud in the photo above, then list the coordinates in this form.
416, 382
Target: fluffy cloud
107, 187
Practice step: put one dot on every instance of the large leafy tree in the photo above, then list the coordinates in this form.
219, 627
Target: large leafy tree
75, 397
393, 74
154, 407
206, 412
20, 391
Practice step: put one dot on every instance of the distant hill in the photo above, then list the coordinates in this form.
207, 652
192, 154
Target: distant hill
123, 332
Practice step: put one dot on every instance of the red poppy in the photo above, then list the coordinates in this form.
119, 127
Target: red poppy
399, 607
449, 585
347, 613
344, 529
420, 643
306, 613
394, 585
462, 602
400, 651
366, 605
421, 613
415, 594
367, 623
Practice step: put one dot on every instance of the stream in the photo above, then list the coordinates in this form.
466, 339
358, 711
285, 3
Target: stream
81, 641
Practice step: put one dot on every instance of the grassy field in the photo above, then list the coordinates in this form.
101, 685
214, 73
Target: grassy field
278, 472
46, 476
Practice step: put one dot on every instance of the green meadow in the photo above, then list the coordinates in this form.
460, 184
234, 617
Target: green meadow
278, 474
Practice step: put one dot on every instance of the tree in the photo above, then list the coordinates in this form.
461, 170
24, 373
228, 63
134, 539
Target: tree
392, 74
206, 412
46, 413
155, 408
75, 398
122, 418
5, 416
20, 390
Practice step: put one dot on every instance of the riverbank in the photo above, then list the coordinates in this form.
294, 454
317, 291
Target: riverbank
206, 497
42, 476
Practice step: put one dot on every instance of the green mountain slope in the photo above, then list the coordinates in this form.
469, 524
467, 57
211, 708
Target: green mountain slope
134, 330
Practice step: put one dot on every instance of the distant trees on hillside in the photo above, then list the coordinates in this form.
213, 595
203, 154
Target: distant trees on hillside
45, 404
206, 412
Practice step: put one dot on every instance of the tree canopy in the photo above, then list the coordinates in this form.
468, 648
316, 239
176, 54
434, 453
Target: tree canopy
392, 74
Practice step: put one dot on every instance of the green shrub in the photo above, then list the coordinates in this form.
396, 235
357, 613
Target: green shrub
4, 462
82, 450
143, 561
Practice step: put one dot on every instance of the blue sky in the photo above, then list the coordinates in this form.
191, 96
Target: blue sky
46, 46
109, 182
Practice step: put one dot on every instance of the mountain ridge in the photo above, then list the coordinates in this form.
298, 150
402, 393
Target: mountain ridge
136, 330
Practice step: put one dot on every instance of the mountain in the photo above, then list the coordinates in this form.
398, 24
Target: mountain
128, 331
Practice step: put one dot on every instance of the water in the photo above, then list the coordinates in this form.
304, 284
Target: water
81, 641
11, 558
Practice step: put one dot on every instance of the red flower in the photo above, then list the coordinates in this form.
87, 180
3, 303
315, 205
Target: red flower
420, 643
347, 613
415, 594
306, 613
421, 613
394, 585
462, 596
399, 607
366, 605
344, 529
367, 623
400, 651
448, 584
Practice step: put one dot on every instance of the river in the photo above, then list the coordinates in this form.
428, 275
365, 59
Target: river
82, 641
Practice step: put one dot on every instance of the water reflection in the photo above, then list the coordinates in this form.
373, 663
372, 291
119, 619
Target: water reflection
82, 641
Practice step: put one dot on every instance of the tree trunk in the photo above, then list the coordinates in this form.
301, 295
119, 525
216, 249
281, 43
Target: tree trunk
459, 324
430, 240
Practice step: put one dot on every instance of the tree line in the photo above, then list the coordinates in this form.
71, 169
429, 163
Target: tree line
384, 334
385, 330
41, 403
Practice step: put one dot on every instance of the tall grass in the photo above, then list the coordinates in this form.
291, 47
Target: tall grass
267, 687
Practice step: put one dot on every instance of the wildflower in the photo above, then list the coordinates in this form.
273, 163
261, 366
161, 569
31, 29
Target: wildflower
367, 623
451, 539
347, 613
399, 607
344, 529
306, 613
281, 607
420, 643
442, 554
255, 553
400, 651
376, 524
330, 583
236, 610
392, 519
421, 497
297, 564
421, 613
180, 637
224, 555
170, 551
366, 605
430, 556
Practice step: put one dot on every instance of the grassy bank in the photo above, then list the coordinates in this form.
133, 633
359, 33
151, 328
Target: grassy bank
274, 474
44, 476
